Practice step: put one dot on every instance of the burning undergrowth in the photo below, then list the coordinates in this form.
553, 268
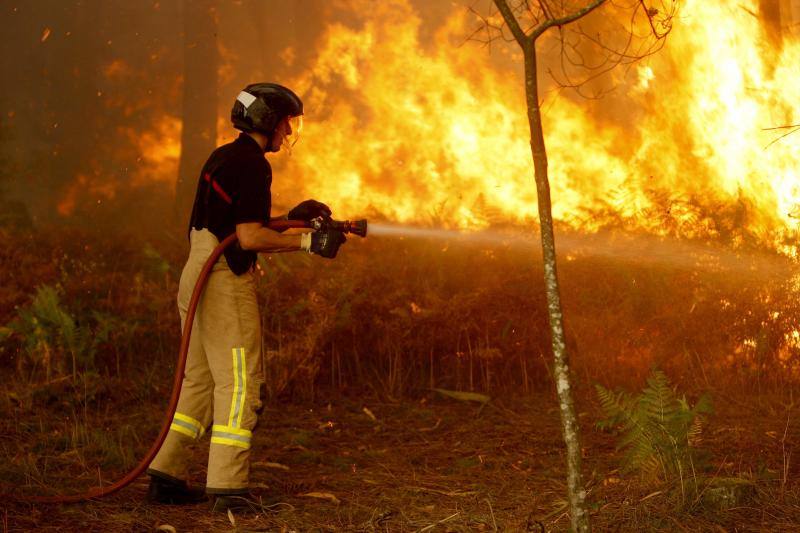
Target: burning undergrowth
398, 316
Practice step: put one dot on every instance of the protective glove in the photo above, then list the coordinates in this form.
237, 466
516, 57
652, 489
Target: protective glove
324, 243
309, 210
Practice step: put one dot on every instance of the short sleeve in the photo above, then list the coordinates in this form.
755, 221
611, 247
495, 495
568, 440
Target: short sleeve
253, 201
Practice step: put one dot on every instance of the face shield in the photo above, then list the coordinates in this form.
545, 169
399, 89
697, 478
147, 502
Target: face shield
293, 133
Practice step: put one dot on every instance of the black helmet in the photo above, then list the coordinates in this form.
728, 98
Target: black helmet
261, 106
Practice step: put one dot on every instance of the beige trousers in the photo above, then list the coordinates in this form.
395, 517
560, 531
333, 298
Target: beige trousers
223, 374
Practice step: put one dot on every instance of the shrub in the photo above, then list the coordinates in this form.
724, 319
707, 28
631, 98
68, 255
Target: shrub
49, 335
659, 431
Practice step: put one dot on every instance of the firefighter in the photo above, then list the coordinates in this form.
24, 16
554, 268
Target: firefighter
220, 391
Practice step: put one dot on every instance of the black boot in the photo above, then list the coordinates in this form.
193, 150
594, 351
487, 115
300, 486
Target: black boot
173, 492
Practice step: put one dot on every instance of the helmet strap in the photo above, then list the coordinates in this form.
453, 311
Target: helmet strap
268, 147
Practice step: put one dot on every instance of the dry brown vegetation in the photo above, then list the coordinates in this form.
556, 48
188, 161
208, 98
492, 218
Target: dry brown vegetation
380, 327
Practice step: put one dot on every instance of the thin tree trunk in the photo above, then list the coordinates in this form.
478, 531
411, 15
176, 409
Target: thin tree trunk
770, 13
569, 423
199, 131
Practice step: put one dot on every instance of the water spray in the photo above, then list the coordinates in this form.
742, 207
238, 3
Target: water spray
642, 249
478, 237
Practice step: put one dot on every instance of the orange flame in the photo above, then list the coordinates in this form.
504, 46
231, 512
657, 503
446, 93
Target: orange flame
415, 128
412, 131
161, 151
81, 188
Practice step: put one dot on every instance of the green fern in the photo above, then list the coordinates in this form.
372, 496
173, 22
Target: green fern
49, 334
659, 432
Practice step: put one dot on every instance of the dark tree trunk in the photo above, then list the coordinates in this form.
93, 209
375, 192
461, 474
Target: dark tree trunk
263, 38
308, 20
770, 14
70, 66
199, 131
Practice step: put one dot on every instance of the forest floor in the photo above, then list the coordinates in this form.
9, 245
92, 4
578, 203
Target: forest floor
347, 461
436, 464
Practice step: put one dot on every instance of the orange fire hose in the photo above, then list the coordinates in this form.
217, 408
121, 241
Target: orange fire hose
99, 492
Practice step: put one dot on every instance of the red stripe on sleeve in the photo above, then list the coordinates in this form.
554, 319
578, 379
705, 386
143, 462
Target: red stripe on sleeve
219, 189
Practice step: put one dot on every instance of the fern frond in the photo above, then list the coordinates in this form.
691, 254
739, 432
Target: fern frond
658, 430
694, 437
615, 406
703, 405
658, 397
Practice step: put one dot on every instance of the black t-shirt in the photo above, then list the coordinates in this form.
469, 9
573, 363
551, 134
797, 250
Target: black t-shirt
234, 187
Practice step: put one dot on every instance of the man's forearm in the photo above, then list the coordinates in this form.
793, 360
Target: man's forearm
259, 238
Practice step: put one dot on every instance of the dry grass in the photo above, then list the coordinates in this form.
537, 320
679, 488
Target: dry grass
378, 328
422, 462
399, 317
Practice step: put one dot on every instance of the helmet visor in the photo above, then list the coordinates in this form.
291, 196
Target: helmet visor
295, 127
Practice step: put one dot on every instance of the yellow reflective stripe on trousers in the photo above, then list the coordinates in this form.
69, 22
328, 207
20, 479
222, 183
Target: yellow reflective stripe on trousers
239, 388
231, 436
187, 425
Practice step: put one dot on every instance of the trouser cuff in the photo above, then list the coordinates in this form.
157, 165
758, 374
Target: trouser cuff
228, 492
162, 475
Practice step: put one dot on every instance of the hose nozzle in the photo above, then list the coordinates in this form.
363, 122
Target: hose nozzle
357, 227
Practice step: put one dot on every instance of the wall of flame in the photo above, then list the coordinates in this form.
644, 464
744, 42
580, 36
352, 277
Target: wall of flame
411, 124
412, 130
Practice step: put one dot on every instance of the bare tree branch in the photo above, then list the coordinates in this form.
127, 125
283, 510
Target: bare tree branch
563, 21
492, 31
793, 128
535, 14
548, 13
543, 14
635, 48
512, 23
782, 127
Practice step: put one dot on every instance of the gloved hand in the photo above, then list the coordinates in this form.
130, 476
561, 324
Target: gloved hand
324, 243
308, 210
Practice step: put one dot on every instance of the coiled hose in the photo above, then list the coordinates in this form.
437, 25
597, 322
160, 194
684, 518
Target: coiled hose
99, 492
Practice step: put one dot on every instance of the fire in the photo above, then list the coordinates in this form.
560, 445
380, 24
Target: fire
407, 122
160, 150
408, 131
432, 131
84, 186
